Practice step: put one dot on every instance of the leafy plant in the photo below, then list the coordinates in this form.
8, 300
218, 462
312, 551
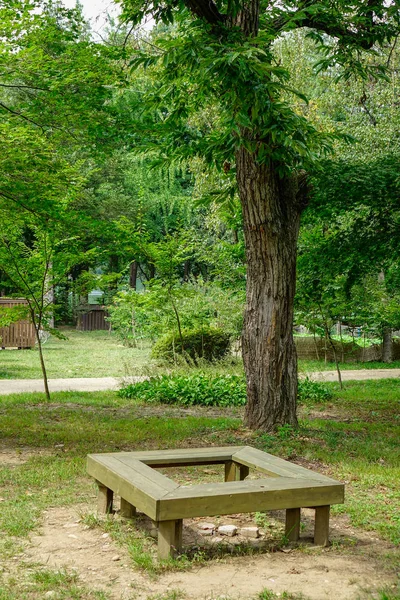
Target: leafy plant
207, 343
228, 390
313, 391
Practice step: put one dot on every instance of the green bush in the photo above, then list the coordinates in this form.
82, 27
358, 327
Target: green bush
226, 390
312, 391
207, 343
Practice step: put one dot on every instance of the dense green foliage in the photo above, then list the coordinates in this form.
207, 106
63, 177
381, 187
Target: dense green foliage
201, 389
207, 390
313, 392
206, 343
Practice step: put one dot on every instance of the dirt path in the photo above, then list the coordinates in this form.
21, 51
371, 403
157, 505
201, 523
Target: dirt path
99, 384
76, 384
343, 573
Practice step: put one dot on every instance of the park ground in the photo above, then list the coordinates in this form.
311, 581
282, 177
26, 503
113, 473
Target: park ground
53, 545
101, 354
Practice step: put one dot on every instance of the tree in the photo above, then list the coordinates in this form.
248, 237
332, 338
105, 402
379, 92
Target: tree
221, 94
349, 246
35, 257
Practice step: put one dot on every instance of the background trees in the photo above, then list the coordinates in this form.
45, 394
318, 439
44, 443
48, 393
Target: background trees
221, 94
220, 112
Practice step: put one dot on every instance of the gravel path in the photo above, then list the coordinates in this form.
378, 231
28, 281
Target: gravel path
100, 384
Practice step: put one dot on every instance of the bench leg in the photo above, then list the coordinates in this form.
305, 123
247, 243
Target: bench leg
169, 538
230, 471
104, 499
128, 511
243, 472
235, 472
292, 524
178, 535
321, 531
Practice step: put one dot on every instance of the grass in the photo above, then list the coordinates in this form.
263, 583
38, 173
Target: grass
39, 583
101, 354
82, 354
309, 366
355, 436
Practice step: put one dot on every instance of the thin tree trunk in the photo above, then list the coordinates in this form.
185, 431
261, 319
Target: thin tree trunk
387, 345
335, 358
133, 272
271, 218
178, 321
37, 326
186, 270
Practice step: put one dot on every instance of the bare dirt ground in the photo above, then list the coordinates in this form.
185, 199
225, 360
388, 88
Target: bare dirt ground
342, 572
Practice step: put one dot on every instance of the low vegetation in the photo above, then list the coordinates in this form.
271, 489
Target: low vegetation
352, 435
205, 342
102, 354
204, 389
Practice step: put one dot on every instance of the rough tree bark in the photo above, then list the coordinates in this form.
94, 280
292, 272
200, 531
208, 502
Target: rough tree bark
133, 273
387, 345
271, 218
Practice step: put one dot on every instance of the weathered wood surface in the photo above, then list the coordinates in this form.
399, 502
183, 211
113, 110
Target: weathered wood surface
292, 524
321, 531
169, 538
20, 334
273, 465
247, 496
136, 488
104, 499
132, 476
180, 457
127, 510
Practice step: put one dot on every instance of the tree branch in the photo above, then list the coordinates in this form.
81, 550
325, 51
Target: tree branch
21, 116
362, 37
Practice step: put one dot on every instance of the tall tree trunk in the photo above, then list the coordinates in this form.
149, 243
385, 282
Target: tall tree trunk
133, 273
387, 345
271, 219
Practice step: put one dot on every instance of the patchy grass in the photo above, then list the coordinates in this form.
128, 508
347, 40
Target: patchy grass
38, 583
82, 354
353, 437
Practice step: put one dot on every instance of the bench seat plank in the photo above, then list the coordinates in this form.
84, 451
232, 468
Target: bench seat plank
181, 457
248, 496
125, 481
151, 474
275, 466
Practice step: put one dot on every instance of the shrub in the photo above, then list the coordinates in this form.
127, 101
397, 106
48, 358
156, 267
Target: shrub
206, 390
226, 390
207, 343
313, 391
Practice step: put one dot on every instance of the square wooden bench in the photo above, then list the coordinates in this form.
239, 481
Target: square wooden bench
132, 476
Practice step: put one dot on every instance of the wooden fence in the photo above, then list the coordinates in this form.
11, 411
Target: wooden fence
20, 334
309, 348
93, 319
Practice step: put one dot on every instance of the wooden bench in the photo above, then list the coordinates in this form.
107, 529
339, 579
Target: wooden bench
132, 476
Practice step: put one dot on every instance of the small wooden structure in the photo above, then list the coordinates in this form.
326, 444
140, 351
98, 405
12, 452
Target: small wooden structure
93, 318
20, 334
131, 475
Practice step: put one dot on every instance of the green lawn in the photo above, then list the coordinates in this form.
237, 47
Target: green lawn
355, 437
82, 354
100, 354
